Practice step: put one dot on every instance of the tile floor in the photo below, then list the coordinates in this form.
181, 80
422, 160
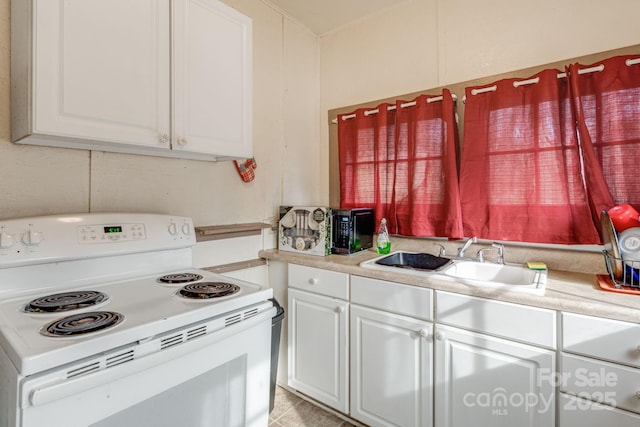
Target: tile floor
291, 411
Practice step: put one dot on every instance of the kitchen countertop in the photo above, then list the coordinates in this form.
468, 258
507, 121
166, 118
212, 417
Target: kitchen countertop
566, 291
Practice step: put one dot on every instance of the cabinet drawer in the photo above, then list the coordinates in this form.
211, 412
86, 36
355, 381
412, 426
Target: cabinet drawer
575, 412
599, 381
601, 338
518, 322
412, 301
324, 282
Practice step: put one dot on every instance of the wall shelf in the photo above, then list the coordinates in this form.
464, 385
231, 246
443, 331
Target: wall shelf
217, 232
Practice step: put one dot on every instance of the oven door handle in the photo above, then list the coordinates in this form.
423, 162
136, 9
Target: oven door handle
68, 387
147, 358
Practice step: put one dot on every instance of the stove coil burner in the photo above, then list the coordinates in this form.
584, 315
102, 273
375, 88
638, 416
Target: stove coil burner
83, 323
208, 290
180, 278
65, 301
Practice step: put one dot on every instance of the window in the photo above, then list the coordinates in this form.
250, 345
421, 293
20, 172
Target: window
541, 156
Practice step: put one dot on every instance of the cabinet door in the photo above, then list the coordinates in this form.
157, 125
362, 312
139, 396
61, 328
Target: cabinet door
318, 337
486, 381
212, 79
101, 71
391, 369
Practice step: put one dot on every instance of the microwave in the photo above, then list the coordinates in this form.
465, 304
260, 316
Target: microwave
352, 230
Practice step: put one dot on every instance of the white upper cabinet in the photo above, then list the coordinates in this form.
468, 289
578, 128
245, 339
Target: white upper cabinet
99, 73
158, 77
212, 88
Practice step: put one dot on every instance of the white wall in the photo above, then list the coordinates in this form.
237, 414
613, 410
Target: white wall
423, 44
301, 159
42, 180
297, 79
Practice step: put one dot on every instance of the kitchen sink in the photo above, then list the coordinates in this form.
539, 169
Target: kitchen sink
489, 274
486, 274
413, 260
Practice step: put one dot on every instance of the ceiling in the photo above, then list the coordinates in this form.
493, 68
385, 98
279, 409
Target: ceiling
323, 16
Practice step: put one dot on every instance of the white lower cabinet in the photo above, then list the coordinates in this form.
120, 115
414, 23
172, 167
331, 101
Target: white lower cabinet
487, 381
318, 336
599, 377
389, 354
391, 369
493, 375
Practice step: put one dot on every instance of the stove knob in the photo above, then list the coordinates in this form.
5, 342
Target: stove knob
6, 239
173, 229
186, 229
32, 238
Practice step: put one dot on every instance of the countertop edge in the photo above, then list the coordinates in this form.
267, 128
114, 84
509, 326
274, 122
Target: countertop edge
566, 291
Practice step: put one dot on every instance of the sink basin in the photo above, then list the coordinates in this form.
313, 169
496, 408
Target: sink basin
489, 274
413, 260
486, 274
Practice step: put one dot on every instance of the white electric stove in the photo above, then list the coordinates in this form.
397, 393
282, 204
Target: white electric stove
105, 322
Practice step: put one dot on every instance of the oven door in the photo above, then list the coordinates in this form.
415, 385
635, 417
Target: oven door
220, 379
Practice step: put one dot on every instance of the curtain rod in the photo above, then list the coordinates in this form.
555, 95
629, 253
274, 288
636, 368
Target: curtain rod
536, 80
393, 107
597, 68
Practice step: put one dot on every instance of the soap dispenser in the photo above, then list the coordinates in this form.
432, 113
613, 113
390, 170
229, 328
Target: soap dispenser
383, 244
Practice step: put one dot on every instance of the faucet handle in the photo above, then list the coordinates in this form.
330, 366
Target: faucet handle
500, 248
443, 251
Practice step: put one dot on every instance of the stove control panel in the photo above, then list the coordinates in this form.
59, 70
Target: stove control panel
105, 233
45, 239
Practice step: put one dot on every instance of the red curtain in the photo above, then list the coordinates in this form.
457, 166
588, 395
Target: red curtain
606, 98
403, 164
520, 165
425, 191
366, 158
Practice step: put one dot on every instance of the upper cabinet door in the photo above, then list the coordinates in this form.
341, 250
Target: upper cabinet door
159, 77
102, 70
212, 77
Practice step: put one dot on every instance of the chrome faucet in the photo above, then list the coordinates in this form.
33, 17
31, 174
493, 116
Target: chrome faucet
466, 245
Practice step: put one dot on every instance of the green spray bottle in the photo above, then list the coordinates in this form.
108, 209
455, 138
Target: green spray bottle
383, 244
